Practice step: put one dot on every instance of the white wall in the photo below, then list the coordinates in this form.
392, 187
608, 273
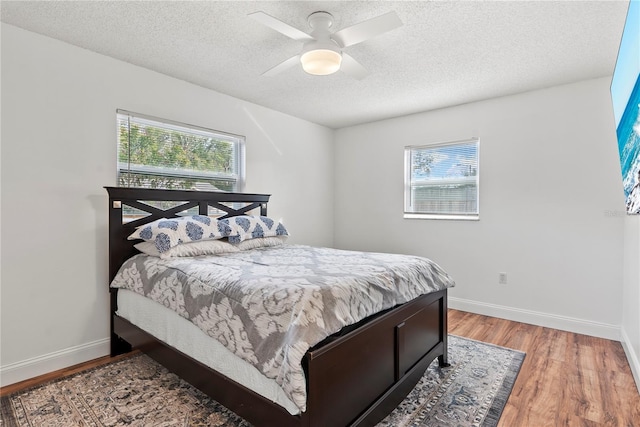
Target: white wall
59, 149
631, 295
551, 205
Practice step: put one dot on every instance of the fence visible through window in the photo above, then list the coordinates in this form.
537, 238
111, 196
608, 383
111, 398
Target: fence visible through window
442, 180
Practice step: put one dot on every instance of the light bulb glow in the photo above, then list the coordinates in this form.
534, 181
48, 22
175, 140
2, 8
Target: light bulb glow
321, 62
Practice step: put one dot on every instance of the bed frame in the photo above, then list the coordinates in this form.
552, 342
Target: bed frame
354, 378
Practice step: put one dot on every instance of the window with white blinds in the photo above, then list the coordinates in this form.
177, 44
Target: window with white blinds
158, 153
441, 180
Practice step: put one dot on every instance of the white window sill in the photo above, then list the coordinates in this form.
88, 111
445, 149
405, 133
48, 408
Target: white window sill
437, 216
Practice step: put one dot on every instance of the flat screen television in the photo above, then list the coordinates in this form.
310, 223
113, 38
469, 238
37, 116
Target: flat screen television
625, 96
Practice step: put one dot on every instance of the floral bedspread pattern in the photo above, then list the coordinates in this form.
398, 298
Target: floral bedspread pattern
270, 305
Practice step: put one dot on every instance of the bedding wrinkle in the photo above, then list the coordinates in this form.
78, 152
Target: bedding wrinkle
268, 306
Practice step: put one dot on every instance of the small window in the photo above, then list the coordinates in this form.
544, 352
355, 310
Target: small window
157, 153
441, 180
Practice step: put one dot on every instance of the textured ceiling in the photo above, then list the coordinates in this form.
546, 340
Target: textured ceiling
446, 53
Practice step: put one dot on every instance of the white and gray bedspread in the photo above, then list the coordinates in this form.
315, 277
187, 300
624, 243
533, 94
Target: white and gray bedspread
270, 305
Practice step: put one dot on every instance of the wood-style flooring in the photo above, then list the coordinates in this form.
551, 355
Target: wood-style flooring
567, 379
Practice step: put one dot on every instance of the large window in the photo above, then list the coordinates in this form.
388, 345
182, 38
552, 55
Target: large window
157, 153
441, 180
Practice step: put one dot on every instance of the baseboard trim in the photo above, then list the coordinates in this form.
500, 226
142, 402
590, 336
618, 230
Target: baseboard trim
632, 357
30, 368
564, 323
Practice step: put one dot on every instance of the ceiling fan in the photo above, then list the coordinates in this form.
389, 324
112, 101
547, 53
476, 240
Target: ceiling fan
322, 52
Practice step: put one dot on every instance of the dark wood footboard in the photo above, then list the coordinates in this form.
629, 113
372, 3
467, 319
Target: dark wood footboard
361, 377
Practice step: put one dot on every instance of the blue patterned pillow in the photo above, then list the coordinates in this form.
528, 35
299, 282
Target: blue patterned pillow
246, 227
168, 233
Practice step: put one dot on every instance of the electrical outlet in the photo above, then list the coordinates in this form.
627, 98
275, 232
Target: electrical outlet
502, 278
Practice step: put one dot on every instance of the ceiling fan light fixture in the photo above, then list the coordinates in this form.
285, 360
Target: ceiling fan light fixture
322, 50
321, 62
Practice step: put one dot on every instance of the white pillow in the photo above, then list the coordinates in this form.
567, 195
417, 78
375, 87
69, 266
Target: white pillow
261, 242
205, 247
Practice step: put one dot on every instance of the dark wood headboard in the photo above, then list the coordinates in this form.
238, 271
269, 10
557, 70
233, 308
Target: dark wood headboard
120, 227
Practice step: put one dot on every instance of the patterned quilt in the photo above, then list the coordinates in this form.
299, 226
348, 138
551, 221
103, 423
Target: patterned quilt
270, 305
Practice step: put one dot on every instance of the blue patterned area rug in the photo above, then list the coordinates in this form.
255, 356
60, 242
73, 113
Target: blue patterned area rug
136, 391
471, 392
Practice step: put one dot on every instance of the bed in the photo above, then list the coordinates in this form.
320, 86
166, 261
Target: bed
354, 376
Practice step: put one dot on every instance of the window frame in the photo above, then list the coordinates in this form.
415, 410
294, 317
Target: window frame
408, 182
239, 141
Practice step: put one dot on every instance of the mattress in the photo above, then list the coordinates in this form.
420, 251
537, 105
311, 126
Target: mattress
169, 327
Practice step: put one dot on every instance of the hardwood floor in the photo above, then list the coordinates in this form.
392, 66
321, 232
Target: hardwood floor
23, 385
567, 380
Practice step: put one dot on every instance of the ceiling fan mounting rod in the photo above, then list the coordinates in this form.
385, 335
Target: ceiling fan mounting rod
320, 20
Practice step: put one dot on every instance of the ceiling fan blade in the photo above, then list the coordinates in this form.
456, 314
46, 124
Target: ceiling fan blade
367, 29
282, 66
280, 26
352, 67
